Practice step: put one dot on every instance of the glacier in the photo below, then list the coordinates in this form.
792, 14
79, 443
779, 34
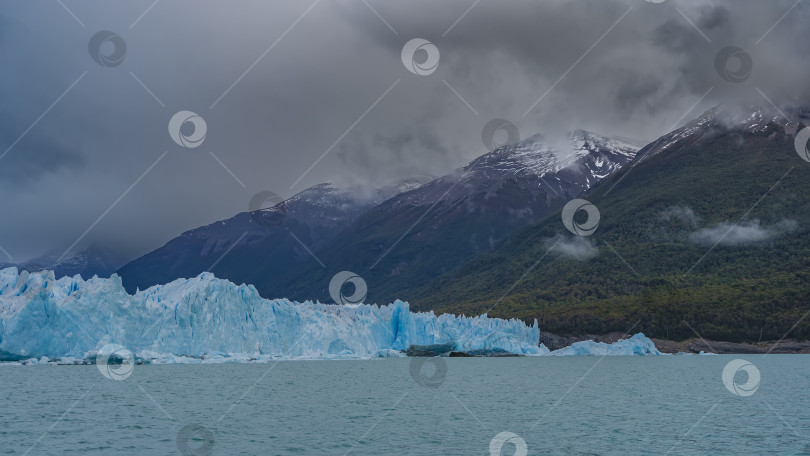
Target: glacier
71, 317
206, 319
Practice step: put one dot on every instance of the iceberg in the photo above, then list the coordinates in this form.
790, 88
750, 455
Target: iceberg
209, 318
638, 345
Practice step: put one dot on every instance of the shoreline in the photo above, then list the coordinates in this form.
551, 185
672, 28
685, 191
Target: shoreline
692, 345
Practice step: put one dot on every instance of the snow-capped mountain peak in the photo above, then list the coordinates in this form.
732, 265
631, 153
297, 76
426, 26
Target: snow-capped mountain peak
751, 119
583, 157
88, 262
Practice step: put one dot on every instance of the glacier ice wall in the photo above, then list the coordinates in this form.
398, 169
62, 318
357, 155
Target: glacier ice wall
41, 316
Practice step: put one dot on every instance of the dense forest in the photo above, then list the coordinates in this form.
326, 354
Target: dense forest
708, 237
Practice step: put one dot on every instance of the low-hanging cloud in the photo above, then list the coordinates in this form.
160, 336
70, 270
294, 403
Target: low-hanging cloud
575, 247
681, 216
744, 233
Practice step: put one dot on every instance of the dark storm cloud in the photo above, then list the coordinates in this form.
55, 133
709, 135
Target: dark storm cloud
276, 111
41, 155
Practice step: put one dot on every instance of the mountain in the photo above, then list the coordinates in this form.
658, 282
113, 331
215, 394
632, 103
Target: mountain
414, 237
704, 233
254, 245
91, 261
426, 229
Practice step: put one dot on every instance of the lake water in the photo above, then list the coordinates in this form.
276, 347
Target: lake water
455, 406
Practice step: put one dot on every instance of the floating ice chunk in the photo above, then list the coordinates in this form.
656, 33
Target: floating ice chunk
388, 353
638, 345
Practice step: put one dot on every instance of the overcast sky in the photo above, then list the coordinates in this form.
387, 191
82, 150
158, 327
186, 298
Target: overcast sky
280, 83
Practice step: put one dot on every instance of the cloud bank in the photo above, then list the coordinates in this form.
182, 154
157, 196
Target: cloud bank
297, 93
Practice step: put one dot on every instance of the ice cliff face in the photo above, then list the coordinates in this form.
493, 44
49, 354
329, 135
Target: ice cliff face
71, 317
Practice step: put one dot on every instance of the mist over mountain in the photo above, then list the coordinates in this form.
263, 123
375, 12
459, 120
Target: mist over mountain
427, 230
526, 63
267, 242
87, 262
706, 228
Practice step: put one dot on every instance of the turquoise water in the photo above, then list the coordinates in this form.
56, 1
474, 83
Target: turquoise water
456, 406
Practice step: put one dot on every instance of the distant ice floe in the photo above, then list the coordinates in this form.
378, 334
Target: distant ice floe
638, 345
209, 320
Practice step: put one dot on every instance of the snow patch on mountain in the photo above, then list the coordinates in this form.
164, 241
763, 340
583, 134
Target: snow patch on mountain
752, 119
569, 168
